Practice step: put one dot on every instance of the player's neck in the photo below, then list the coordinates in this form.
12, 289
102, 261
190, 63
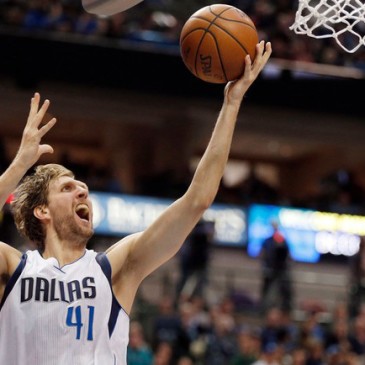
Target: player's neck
64, 252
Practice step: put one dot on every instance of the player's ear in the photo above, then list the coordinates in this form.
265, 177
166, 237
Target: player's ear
41, 212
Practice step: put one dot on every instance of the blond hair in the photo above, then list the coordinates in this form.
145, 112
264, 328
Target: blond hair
31, 193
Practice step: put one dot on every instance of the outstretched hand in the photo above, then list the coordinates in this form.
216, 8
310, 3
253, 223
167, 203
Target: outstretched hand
235, 90
31, 148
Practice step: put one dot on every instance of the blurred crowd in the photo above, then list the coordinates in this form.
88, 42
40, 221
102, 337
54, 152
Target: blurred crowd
219, 334
160, 21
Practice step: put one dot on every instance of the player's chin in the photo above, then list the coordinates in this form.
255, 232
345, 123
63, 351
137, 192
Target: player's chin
88, 233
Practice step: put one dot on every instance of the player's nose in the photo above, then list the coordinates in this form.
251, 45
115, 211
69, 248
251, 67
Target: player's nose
82, 192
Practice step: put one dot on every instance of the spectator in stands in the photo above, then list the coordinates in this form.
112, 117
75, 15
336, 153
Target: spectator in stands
315, 352
163, 354
185, 360
200, 319
138, 352
274, 329
276, 273
220, 343
117, 25
357, 336
270, 355
35, 14
311, 330
357, 280
56, 19
194, 260
249, 347
337, 337
86, 24
167, 328
298, 356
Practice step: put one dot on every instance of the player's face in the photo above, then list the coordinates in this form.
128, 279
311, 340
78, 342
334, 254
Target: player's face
70, 209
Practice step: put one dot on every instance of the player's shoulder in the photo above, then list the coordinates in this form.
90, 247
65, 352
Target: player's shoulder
9, 251
119, 253
9, 257
124, 242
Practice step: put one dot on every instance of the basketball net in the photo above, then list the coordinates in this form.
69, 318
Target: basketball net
343, 20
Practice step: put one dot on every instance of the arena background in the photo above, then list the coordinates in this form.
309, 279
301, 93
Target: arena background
132, 107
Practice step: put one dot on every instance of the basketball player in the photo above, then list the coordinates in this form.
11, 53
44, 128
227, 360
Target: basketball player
63, 304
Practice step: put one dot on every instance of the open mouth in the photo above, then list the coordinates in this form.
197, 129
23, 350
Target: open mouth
83, 212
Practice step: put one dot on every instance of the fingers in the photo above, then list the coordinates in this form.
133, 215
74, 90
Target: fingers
33, 131
248, 64
47, 127
45, 148
251, 71
263, 53
263, 49
34, 103
36, 114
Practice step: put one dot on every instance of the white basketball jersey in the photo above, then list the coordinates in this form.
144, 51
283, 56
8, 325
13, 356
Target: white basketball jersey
52, 315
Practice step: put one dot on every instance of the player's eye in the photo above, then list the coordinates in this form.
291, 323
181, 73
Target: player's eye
66, 188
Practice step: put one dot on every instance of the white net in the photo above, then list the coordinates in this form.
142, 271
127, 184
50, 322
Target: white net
343, 20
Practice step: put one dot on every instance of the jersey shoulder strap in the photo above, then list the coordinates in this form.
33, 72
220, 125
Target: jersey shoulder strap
13, 279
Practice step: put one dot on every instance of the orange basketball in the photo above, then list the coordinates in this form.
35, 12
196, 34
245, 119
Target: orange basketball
215, 40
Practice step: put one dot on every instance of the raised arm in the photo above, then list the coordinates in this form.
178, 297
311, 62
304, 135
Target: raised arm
136, 256
28, 154
30, 148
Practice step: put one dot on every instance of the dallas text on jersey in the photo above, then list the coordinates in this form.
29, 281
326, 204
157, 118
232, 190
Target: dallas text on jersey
53, 290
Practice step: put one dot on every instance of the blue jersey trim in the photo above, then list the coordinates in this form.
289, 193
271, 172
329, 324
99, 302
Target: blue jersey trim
13, 279
104, 263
